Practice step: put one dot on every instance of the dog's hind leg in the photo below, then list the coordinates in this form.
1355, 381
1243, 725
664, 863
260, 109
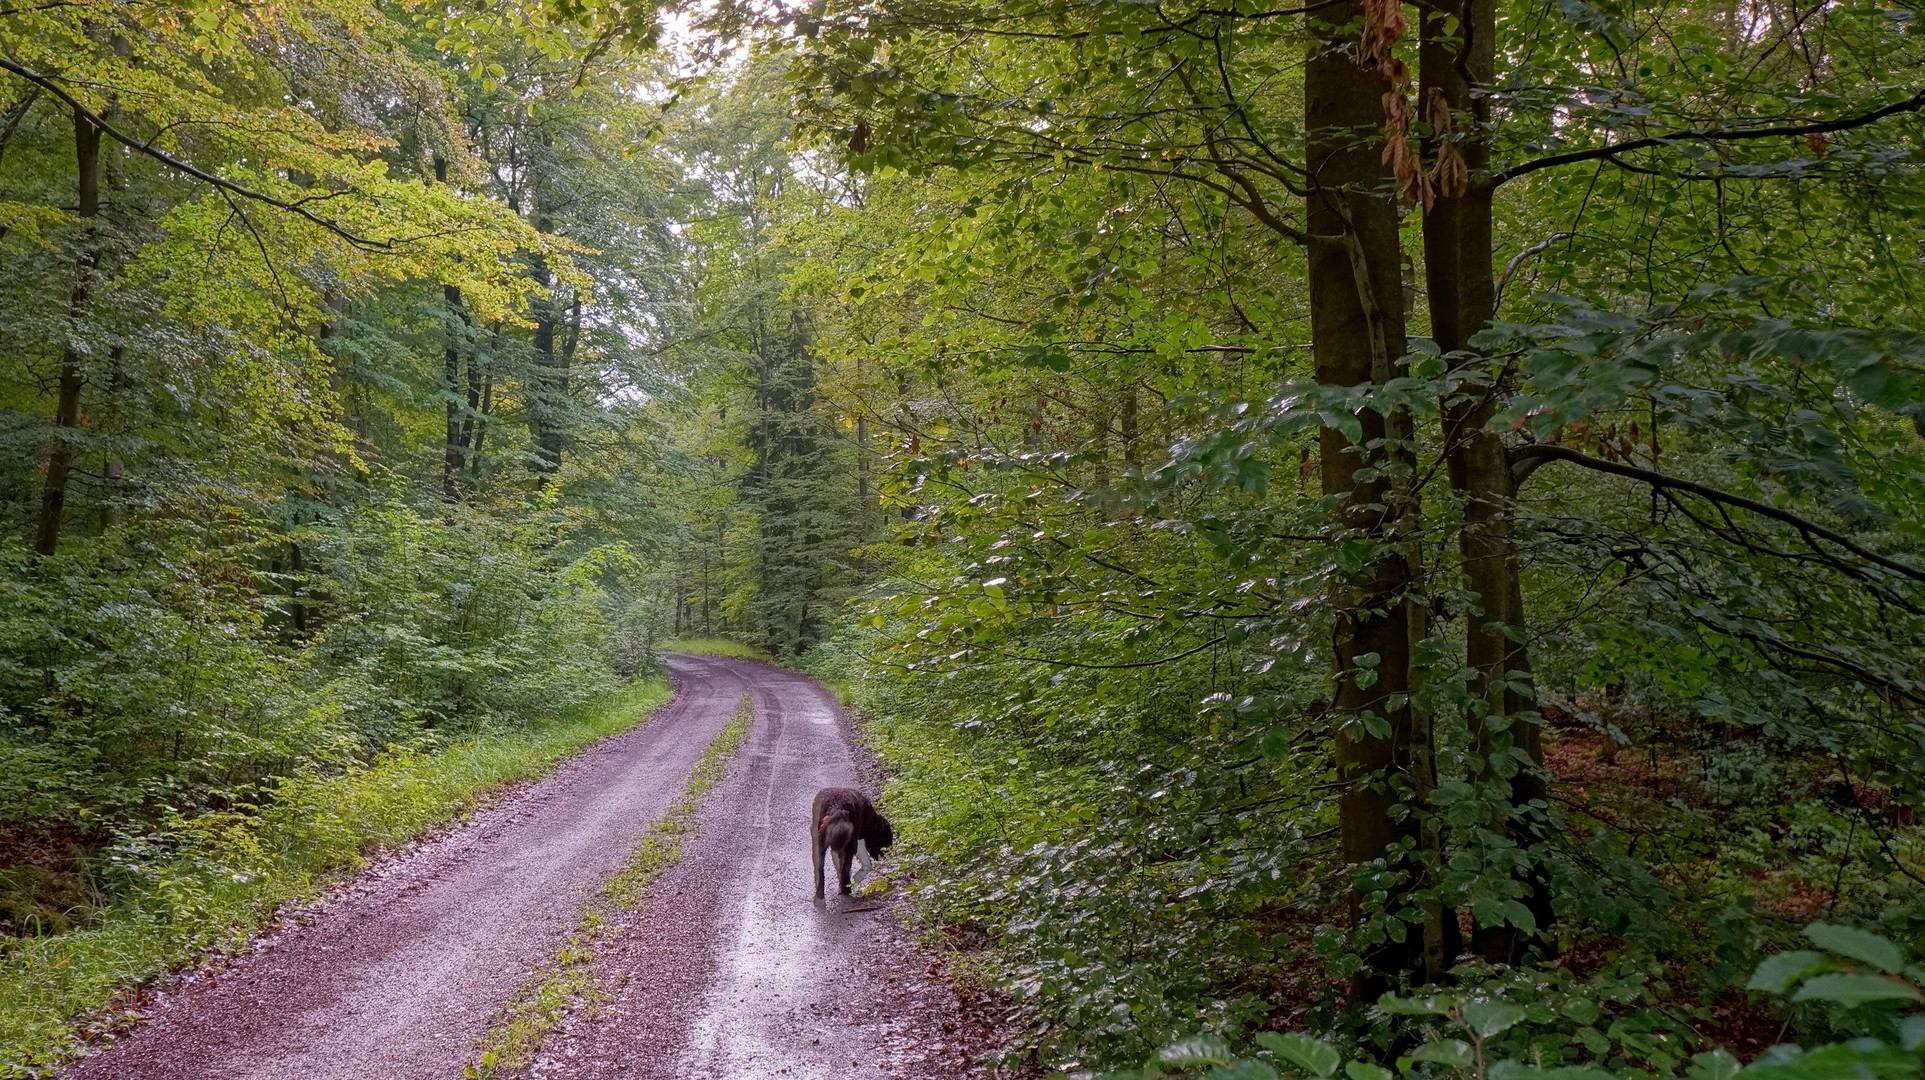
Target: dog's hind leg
815, 859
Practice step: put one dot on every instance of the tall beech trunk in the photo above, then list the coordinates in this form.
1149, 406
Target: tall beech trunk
550, 389
1456, 56
60, 447
455, 444
546, 421
1357, 327
455, 448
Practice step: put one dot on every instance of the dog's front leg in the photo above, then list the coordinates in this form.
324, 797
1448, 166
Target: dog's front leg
843, 858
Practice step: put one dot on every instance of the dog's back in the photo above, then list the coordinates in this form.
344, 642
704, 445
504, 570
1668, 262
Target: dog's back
840, 820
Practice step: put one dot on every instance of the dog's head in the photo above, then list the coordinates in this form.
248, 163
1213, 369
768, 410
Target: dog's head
880, 836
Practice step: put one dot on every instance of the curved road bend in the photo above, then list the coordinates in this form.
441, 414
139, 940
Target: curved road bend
730, 972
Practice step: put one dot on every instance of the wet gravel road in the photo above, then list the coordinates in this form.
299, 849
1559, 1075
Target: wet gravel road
730, 971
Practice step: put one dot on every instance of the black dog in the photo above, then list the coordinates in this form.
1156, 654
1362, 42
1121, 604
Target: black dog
842, 820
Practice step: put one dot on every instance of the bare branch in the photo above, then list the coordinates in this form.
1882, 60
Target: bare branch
1517, 260
1526, 459
1909, 105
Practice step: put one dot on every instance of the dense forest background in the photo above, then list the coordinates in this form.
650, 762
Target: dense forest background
1370, 537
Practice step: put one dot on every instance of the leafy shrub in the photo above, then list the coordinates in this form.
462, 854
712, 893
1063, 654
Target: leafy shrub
1129, 862
1495, 1030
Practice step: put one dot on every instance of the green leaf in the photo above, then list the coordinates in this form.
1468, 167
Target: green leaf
1318, 1057
1713, 1065
1488, 1018
1196, 1050
1434, 1005
1865, 1058
1582, 1010
1776, 973
1851, 989
1364, 1070
1453, 1052
1242, 1070
1911, 1031
1858, 944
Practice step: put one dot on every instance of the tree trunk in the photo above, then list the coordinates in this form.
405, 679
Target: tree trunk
546, 424
114, 498
60, 448
549, 389
1455, 60
1355, 261
453, 458
455, 445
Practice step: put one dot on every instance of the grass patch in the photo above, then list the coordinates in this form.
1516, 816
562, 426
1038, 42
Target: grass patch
714, 647
568, 982
208, 884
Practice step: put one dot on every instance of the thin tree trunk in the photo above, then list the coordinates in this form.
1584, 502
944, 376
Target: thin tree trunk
60, 447
862, 463
1358, 340
482, 401
113, 499
468, 425
1455, 60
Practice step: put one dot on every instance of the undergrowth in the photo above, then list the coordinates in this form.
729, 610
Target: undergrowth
569, 980
715, 647
209, 883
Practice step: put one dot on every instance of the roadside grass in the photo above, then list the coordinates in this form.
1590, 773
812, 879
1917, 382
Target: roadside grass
209, 884
568, 982
714, 647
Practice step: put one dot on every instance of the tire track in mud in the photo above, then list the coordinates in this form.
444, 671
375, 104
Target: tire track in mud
397, 977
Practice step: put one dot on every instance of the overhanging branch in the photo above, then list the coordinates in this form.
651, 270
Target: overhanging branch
1113, 667
1526, 459
1909, 105
53, 87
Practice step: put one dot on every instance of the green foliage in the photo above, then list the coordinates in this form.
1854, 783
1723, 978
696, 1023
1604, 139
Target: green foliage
139, 692
206, 883
713, 647
1489, 1031
1125, 870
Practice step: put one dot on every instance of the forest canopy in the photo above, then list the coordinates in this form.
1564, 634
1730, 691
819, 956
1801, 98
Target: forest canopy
1368, 536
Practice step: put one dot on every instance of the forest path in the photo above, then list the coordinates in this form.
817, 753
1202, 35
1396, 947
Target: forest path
731, 972
728, 972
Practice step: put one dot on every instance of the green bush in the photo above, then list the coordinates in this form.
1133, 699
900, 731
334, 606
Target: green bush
1128, 860
1518, 1028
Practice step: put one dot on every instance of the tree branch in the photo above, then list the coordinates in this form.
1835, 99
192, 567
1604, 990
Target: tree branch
1106, 667
1526, 459
53, 87
1909, 105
